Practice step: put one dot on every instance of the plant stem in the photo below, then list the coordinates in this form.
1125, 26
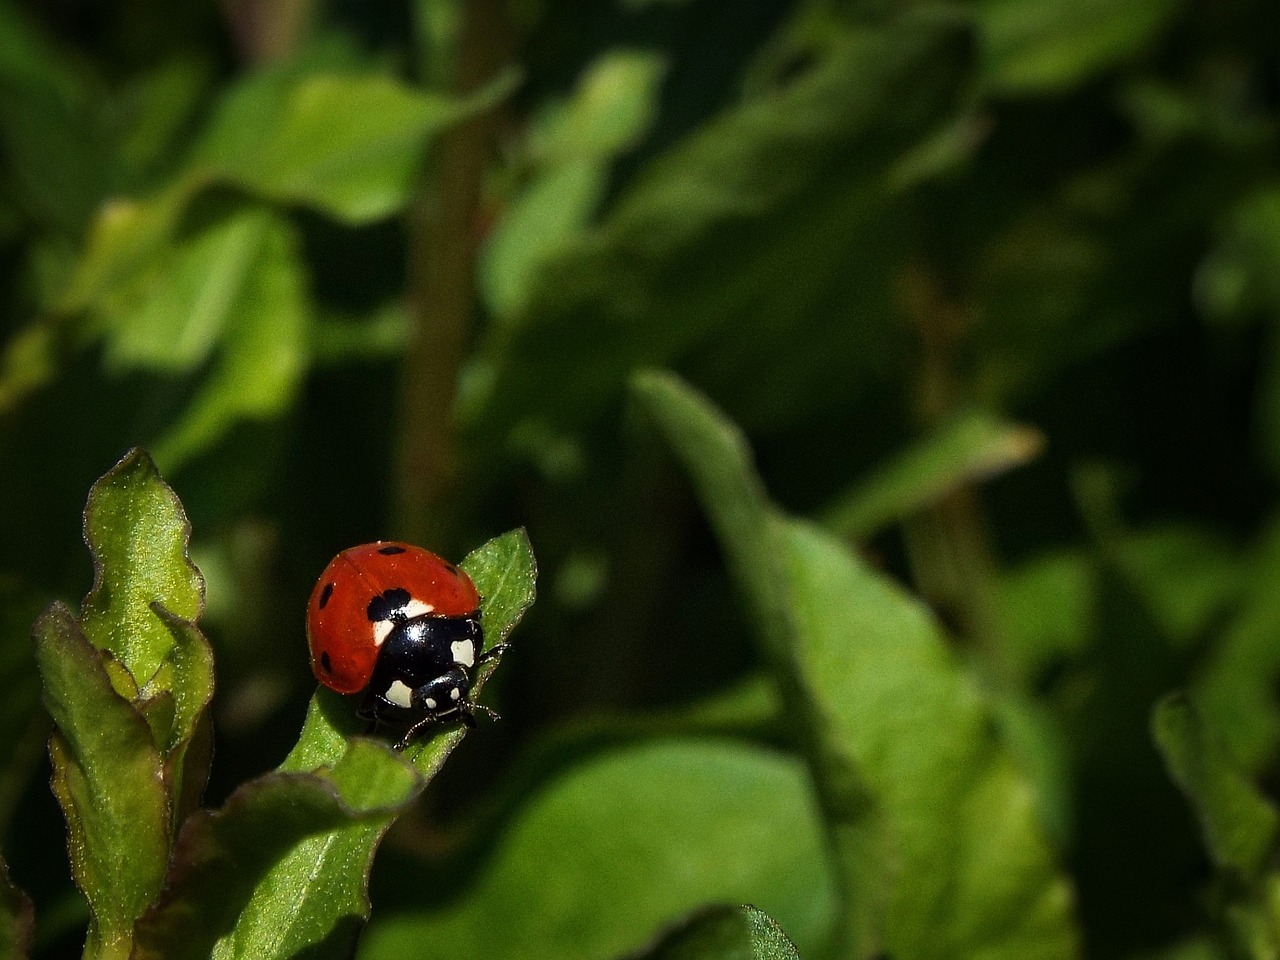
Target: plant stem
443, 244
949, 544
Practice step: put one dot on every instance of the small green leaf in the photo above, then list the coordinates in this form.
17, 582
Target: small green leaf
506, 574
1055, 44
350, 146
27, 363
173, 315
17, 919
571, 149
109, 778
262, 357
224, 858
1235, 687
137, 532
632, 841
314, 897
1047, 607
969, 449
726, 933
187, 677
1240, 825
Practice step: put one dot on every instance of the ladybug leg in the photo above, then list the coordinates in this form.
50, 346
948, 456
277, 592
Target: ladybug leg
415, 731
493, 653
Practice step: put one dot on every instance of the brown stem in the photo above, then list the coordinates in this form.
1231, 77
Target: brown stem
949, 544
267, 31
443, 244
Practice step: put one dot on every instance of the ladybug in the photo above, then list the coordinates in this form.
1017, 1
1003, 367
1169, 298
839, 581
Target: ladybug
402, 625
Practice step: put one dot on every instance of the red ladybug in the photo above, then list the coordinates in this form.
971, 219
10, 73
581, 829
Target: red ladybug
403, 625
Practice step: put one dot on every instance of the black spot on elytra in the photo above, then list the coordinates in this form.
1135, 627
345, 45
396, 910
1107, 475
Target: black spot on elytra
325, 594
387, 604
326, 663
389, 551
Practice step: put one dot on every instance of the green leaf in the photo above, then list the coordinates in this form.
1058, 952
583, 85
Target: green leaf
137, 532
937, 832
350, 145
726, 933
262, 357
109, 778
612, 107
716, 455
17, 919
1235, 686
347, 145
1047, 608
632, 841
572, 149
966, 450
173, 316
1188, 575
27, 362
1241, 827
940, 833
223, 860
314, 896
775, 215
1056, 44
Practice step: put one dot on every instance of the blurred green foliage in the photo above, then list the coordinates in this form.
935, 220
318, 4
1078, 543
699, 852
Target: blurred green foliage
929, 607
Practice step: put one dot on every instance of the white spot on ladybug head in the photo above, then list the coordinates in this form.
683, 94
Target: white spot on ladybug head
381, 630
455, 694
415, 608
431, 703
464, 652
399, 694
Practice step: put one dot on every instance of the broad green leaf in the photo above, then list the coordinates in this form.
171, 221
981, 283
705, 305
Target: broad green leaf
314, 897
715, 454
941, 838
109, 778
1241, 827
348, 145
17, 918
600, 860
137, 532
1055, 44
757, 252
967, 450
222, 858
937, 833
726, 933
264, 306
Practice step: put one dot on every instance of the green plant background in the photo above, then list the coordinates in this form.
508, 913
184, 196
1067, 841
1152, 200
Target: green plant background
890, 393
